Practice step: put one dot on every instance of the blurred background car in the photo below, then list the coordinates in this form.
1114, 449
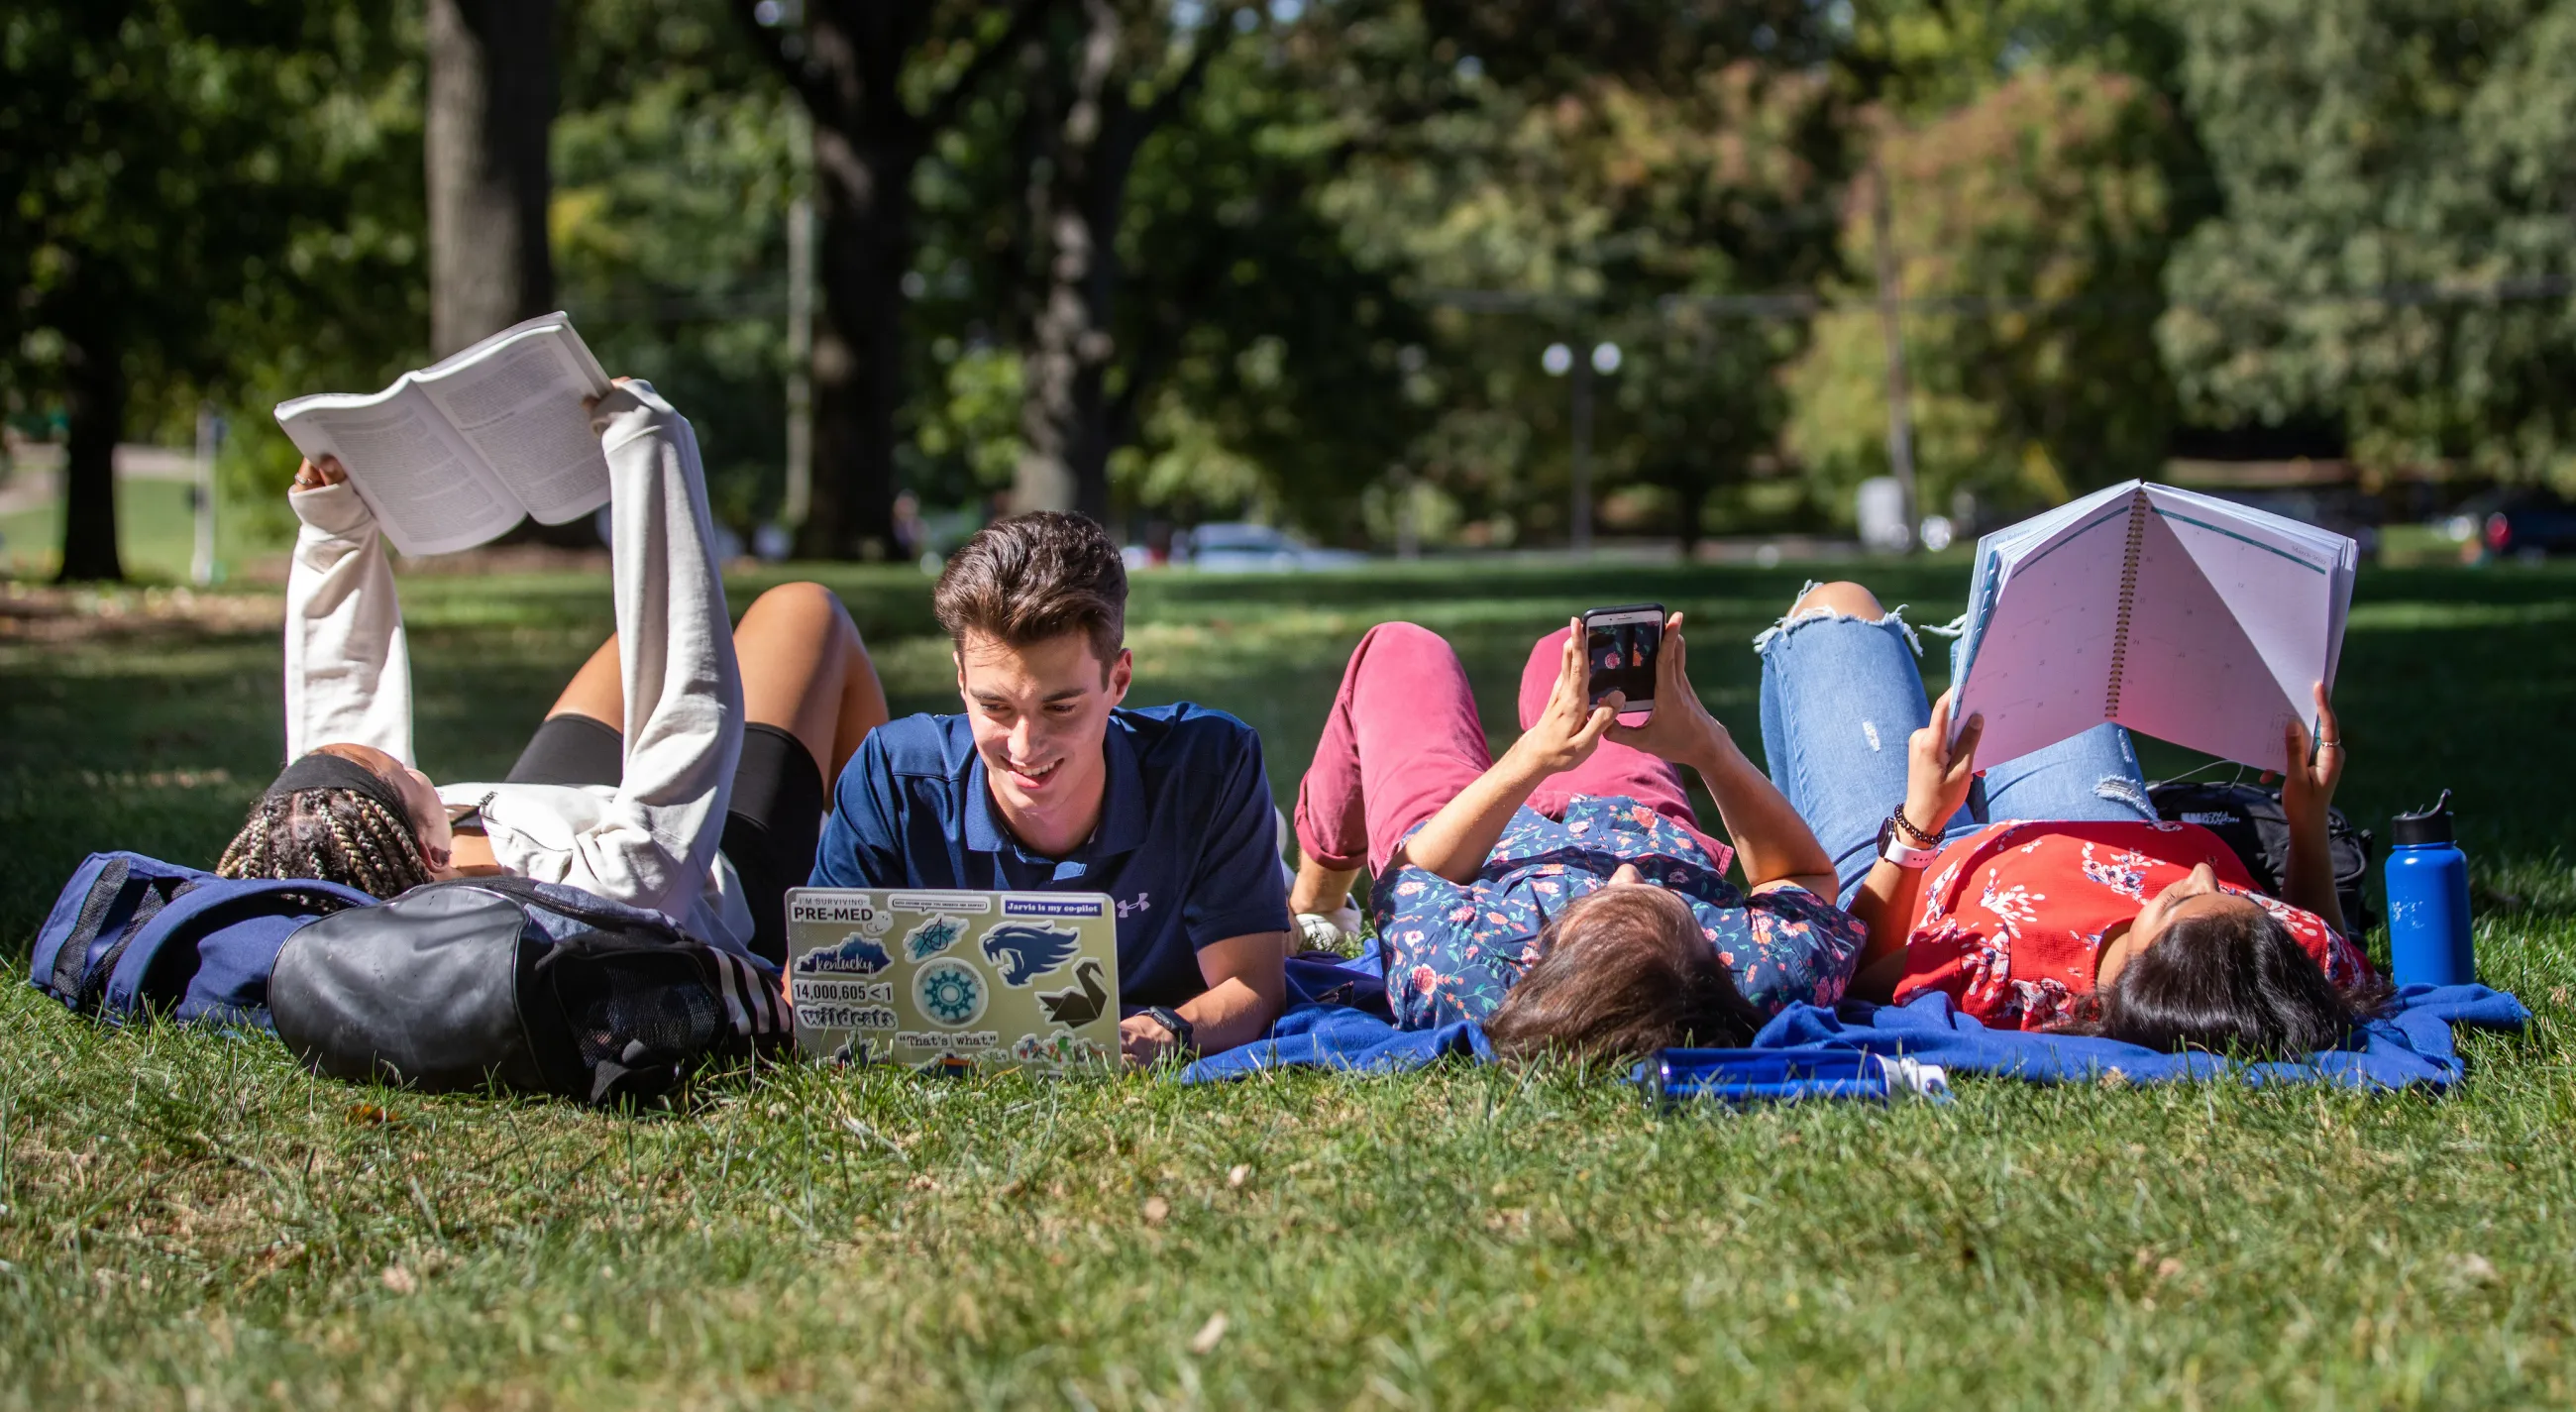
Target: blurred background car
2526, 522
1240, 546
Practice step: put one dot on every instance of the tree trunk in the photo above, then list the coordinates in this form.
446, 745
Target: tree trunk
858, 345
491, 98
95, 395
1690, 502
1068, 423
1063, 419
846, 63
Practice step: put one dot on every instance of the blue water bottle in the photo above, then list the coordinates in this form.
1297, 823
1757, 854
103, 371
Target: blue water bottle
2428, 900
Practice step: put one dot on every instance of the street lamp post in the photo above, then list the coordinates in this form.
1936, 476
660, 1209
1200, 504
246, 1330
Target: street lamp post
1559, 360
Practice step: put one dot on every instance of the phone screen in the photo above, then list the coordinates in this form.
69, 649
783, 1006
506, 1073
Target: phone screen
1623, 645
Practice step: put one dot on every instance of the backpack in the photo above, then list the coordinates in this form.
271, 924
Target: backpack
2249, 818
131, 938
527, 986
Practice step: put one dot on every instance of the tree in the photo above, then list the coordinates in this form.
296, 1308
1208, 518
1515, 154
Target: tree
1112, 100
491, 99
2396, 247
880, 79
2031, 228
1587, 174
675, 159
1263, 362
157, 158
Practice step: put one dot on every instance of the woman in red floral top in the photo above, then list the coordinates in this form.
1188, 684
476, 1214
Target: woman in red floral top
2064, 902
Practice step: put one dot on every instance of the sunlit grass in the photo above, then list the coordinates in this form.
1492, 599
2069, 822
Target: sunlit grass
188, 1219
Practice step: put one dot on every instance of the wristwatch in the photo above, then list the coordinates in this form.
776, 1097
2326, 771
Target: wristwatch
1894, 847
1184, 1034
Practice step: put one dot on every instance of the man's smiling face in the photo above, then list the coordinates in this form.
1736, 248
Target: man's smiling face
1040, 711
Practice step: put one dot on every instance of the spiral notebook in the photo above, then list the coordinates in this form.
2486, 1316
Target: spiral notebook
2181, 616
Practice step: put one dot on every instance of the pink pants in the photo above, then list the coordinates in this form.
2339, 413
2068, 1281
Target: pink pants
1403, 739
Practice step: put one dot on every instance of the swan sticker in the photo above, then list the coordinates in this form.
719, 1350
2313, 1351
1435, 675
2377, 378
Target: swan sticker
937, 934
1025, 950
1081, 1005
856, 955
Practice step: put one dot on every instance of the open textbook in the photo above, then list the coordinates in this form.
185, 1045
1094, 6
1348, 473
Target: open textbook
452, 455
2181, 616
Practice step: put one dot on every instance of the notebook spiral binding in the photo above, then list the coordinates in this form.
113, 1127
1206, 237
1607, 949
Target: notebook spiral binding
2128, 602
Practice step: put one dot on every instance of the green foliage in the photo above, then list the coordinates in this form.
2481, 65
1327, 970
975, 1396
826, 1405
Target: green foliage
1269, 349
2046, 207
1600, 213
674, 163
2396, 242
225, 197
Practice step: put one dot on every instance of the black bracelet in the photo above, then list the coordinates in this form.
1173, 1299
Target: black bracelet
1906, 827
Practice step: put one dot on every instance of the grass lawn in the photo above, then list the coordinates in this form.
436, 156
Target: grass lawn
187, 1219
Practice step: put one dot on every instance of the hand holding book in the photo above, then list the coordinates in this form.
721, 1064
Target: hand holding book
454, 454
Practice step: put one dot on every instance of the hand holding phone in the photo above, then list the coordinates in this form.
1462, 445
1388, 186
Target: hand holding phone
1622, 647
1683, 731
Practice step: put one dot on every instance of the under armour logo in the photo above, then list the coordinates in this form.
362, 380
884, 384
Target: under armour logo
1127, 909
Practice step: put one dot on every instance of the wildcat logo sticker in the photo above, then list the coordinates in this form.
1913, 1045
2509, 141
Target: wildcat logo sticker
1025, 950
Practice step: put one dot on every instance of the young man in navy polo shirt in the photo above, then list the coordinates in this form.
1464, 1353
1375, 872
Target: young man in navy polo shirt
1047, 783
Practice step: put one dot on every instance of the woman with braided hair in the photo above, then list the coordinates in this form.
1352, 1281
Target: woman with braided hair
681, 770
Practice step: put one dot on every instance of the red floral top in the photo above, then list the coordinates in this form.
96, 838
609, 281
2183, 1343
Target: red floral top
2013, 915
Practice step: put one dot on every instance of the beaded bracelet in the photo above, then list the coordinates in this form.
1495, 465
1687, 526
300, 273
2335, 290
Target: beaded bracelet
1906, 827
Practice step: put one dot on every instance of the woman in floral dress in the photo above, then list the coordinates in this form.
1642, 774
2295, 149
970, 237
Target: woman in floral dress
1564, 894
2061, 901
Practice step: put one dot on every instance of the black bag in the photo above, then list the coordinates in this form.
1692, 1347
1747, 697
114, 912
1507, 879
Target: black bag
529, 986
2249, 818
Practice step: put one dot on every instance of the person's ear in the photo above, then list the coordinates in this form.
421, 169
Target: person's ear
1122, 672
958, 656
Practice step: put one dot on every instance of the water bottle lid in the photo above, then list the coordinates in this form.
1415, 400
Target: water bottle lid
2431, 826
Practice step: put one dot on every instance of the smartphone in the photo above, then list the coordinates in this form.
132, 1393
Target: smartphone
1623, 644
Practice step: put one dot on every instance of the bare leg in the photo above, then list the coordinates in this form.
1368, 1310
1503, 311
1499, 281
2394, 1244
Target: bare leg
597, 690
1321, 889
1841, 596
805, 671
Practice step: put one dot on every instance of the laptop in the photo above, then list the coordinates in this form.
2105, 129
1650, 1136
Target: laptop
953, 982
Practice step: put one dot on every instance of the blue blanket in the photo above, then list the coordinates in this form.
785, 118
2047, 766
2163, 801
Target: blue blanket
2407, 1047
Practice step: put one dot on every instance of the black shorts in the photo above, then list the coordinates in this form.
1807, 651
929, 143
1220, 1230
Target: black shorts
771, 828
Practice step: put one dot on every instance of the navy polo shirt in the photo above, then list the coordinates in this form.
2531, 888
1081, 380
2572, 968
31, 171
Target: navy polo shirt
1187, 845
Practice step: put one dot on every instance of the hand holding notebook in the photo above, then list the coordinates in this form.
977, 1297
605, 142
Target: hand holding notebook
2178, 615
454, 454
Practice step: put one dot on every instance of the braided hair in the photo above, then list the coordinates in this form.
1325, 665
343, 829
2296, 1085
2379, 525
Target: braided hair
336, 835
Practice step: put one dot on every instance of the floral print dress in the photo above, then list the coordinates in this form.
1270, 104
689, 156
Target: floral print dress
1453, 951
2013, 915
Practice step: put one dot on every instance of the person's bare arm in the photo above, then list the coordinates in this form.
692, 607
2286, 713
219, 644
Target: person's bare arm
1455, 841
1247, 980
1773, 842
1937, 777
2307, 788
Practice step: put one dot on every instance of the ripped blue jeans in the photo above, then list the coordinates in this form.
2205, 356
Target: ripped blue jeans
1841, 698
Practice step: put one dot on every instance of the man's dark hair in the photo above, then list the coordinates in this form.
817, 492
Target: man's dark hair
2229, 980
1622, 973
1036, 576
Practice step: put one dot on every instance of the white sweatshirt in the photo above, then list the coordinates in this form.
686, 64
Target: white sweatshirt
651, 840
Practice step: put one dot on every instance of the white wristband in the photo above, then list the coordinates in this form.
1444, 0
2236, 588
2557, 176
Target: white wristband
1906, 855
